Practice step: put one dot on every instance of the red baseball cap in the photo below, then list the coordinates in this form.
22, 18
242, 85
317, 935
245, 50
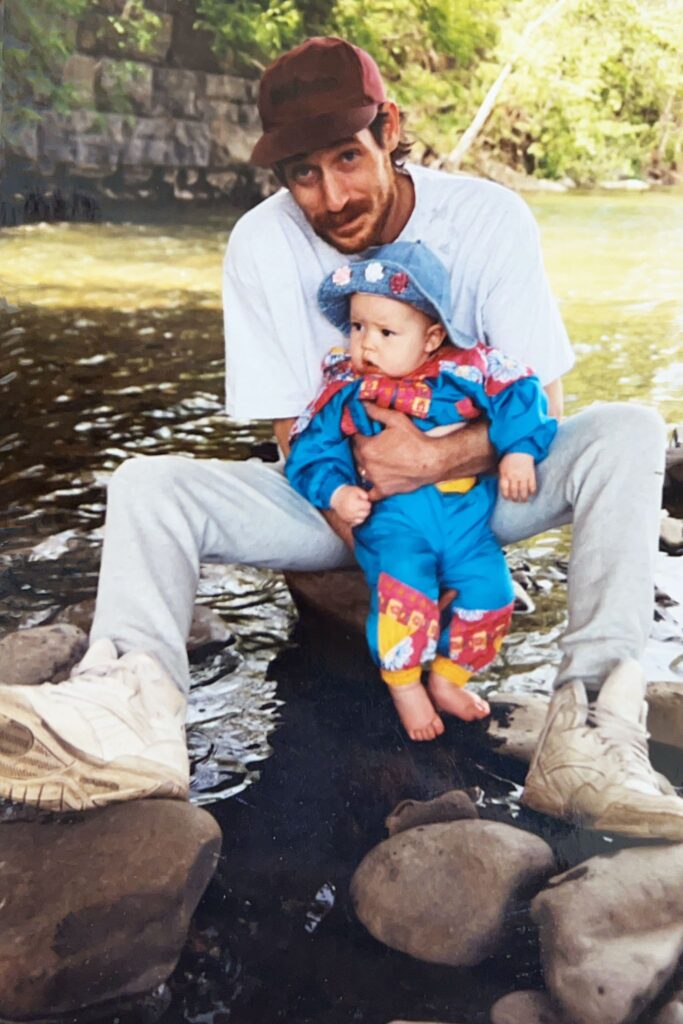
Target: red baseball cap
323, 90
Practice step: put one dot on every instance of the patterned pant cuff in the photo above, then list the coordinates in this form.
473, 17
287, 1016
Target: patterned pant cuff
455, 674
401, 677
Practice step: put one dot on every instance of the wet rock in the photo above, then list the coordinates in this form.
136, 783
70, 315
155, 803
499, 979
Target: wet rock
443, 892
611, 933
515, 723
452, 806
665, 713
525, 1008
672, 1013
517, 719
32, 656
207, 626
671, 535
341, 595
97, 907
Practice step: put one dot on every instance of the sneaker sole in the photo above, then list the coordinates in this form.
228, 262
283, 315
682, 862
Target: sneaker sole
619, 818
38, 767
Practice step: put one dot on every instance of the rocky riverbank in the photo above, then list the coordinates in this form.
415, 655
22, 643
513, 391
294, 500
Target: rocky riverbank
449, 886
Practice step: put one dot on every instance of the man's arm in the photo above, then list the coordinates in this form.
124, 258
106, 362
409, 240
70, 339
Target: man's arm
402, 458
281, 430
555, 393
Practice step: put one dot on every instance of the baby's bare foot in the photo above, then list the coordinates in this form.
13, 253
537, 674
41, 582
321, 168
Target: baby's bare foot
416, 711
455, 700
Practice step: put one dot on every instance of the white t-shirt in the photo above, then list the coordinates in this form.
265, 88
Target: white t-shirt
276, 337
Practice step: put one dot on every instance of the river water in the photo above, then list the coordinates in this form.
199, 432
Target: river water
111, 346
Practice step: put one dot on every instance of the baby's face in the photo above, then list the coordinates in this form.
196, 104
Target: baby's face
390, 336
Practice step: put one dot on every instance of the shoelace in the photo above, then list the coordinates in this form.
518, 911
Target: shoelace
627, 739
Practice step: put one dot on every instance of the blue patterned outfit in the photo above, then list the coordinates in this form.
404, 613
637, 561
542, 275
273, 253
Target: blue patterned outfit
413, 547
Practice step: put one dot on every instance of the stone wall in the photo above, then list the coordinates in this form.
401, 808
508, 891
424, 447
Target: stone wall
171, 120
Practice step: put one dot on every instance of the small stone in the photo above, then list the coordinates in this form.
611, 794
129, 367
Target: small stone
207, 628
452, 806
223, 181
41, 654
443, 893
525, 1008
97, 907
611, 932
665, 713
671, 535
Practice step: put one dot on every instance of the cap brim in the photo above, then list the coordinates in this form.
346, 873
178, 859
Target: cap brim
309, 134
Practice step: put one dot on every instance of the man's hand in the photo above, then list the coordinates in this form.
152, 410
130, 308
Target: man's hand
402, 458
352, 504
517, 476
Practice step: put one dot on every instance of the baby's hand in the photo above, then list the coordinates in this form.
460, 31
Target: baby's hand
352, 504
517, 476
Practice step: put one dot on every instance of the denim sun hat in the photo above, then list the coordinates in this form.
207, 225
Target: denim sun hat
406, 271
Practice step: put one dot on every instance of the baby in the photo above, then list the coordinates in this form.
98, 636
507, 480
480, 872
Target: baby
414, 548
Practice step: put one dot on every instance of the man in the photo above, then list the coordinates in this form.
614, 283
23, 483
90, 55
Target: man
115, 730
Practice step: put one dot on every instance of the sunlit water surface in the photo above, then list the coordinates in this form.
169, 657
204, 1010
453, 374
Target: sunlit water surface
111, 347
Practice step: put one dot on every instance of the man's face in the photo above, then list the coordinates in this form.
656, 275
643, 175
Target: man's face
346, 191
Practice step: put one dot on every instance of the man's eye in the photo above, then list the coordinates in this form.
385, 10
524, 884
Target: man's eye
349, 155
301, 174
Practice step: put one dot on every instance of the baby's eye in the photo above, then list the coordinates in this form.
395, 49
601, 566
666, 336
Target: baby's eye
386, 333
355, 326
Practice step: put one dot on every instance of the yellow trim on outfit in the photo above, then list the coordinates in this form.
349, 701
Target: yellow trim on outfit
455, 674
401, 676
459, 486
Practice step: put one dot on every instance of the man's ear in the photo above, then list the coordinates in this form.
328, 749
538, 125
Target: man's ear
391, 132
434, 337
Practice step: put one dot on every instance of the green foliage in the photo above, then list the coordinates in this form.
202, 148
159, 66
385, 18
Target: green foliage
596, 91
38, 37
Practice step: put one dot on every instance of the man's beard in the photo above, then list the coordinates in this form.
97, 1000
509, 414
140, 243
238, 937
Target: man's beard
371, 234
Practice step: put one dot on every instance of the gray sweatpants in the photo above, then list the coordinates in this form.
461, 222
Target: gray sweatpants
166, 514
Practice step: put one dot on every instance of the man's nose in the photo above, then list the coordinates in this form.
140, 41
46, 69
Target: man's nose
335, 194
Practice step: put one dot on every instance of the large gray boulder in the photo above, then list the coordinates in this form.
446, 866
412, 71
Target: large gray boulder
611, 933
443, 892
98, 907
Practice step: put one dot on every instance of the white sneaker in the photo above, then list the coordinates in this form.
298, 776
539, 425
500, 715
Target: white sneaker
114, 731
591, 765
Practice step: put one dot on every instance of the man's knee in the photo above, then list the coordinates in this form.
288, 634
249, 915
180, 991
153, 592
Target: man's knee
147, 475
634, 434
